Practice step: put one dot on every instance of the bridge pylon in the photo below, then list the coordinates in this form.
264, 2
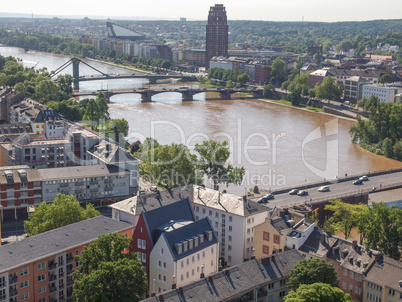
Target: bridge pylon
76, 73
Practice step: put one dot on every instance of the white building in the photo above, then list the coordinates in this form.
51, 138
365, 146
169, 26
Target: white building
299, 234
385, 93
233, 219
184, 252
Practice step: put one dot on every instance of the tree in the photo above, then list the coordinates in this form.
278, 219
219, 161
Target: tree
63, 211
118, 128
294, 97
328, 89
172, 165
385, 78
108, 273
92, 112
213, 158
317, 292
269, 91
102, 105
382, 229
344, 215
311, 271
278, 73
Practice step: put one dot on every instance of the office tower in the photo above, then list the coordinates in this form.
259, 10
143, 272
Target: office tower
217, 33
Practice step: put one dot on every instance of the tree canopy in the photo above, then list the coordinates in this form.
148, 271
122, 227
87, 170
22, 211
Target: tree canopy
312, 271
317, 292
213, 162
108, 272
63, 211
328, 89
381, 229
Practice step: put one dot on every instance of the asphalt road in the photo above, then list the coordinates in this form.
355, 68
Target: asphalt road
336, 189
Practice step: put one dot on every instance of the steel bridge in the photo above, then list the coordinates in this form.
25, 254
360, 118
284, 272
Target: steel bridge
75, 62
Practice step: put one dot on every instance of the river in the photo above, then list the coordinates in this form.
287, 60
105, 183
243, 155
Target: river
279, 146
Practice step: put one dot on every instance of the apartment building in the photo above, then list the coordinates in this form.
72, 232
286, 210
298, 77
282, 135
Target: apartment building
20, 187
385, 93
184, 252
39, 268
258, 280
383, 282
85, 182
270, 235
233, 218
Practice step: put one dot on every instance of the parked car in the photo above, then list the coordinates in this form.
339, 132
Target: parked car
364, 178
323, 189
153, 188
262, 200
269, 196
293, 192
302, 193
141, 191
358, 182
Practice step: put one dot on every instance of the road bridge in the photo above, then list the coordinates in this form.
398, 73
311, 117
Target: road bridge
186, 92
342, 188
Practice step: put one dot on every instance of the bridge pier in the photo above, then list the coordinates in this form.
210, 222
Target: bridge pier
186, 96
146, 97
225, 96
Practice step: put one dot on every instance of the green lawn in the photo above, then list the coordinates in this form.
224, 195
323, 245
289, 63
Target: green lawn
300, 106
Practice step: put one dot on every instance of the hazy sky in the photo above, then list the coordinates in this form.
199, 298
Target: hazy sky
287, 10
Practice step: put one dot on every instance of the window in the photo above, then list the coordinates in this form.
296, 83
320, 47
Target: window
282, 282
210, 213
41, 266
216, 215
144, 257
25, 296
24, 272
271, 286
3, 294
351, 275
230, 228
144, 244
345, 272
164, 278
159, 264
351, 287
276, 238
265, 249
266, 236
24, 284
139, 243
42, 300
344, 285
248, 231
2, 282
162, 251
164, 265
139, 257
212, 262
159, 278
41, 277
229, 247
282, 294
391, 292
42, 289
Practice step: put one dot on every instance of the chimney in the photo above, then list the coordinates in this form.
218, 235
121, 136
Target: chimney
354, 242
272, 257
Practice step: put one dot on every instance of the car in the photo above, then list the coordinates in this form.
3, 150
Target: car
204, 89
164, 88
323, 189
269, 196
302, 193
358, 182
141, 191
153, 188
364, 178
262, 200
293, 192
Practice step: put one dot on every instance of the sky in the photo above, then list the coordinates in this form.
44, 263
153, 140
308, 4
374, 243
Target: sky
285, 10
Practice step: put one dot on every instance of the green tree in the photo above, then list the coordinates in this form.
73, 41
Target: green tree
108, 272
317, 292
142, 152
328, 89
278, 72
385, 78
382, 229
269, 91
117, 129
63, 211
344, 216
103, 106
311, 271
213, 162
172, 165
92, 113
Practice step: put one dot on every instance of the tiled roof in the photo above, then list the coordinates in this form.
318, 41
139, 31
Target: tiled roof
232, 283
18, 177
386, 272
318, 244
28, 250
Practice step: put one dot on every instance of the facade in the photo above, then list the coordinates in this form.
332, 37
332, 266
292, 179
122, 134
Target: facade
353, 88
39, 268
385, 93
270, 236
184, 252
217, 32
20, 187
234, 220
85, 182
259, 280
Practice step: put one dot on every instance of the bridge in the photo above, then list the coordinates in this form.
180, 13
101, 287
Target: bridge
186, 92
342, 188
75, 62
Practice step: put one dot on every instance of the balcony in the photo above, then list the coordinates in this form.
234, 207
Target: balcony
93, 182
52, 266
69, 272
61, 275
94, 190
69, 260
13, 293
13, 280
52, 299
69, 283
52, 289
109, 189
108, 181
52, 278
79, 183
261, 293
63, 185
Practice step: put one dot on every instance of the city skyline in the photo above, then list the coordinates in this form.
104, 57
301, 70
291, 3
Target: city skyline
309, 11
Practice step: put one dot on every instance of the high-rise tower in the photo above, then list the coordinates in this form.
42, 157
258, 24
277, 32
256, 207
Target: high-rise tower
217, 33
